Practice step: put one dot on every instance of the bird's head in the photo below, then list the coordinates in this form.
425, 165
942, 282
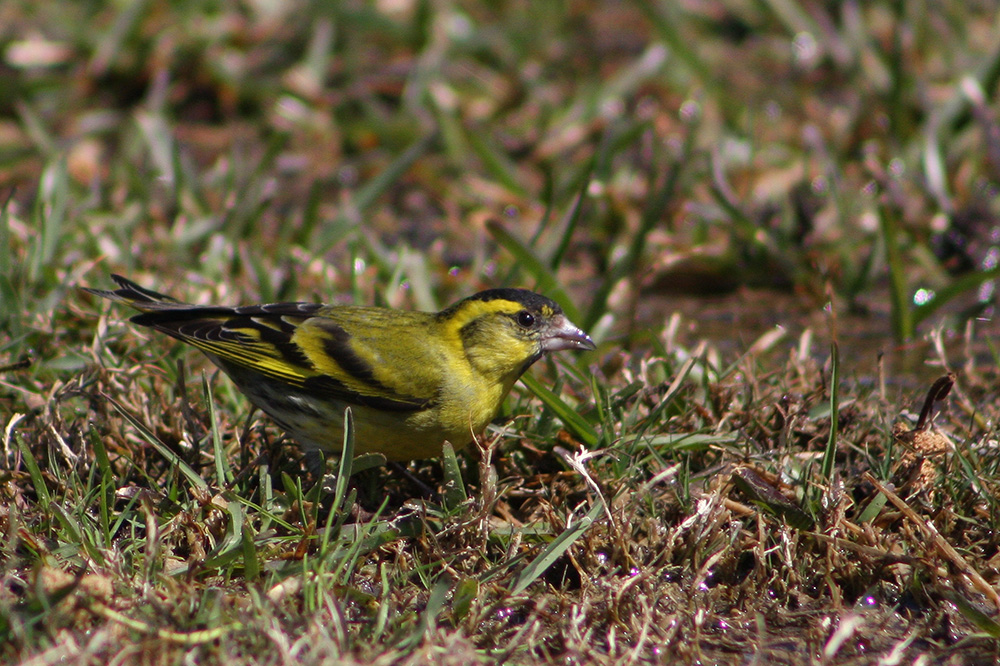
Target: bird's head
504, 331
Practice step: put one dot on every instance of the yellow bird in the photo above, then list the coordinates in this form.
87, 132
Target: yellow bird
412, 379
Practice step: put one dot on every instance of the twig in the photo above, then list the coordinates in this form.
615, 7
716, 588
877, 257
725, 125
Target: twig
945, 548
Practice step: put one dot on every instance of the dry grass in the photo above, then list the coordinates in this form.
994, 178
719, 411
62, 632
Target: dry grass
677, 557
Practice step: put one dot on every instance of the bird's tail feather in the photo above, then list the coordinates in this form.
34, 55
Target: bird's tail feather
142, 299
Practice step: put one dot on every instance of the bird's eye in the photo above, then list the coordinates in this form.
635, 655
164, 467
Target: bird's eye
525, 319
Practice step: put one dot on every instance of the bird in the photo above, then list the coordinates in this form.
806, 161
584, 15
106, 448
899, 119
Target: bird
412, 379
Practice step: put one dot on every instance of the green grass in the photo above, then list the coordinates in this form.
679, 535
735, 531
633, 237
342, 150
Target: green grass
683, 178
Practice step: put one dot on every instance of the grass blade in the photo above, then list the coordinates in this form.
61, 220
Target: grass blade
346, 460
652, 214
902, 315
768, 498
830, 452
189, 473
556, 549
545, 279
960, 285
575, 423
37, 480
495, 161
454, 488
223, 473
334, 232
978, 618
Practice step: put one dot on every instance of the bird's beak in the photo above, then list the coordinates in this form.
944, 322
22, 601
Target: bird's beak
563, 334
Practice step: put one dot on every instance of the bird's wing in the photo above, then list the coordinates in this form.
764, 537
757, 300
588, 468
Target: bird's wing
298, 344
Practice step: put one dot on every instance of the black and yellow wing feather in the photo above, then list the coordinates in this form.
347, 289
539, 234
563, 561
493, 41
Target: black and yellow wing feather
306, 346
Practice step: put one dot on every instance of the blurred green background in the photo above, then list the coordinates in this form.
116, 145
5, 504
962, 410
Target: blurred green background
845, 152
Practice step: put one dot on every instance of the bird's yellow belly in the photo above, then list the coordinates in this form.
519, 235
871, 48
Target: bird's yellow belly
404, 436
317, 422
